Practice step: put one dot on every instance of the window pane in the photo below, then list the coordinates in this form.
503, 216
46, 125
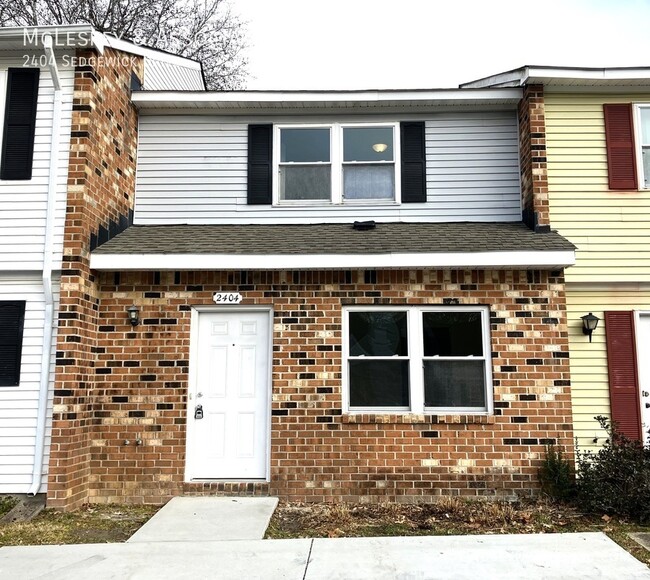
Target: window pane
358, 143
305, 182
369, 182
454, 383
378, 333
645, 125
452, 333
305, 145
645, 155
379, 383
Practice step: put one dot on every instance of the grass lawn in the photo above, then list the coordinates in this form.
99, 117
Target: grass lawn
91, 524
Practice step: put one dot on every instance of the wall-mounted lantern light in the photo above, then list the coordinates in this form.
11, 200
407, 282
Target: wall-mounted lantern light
134, 315
589, 324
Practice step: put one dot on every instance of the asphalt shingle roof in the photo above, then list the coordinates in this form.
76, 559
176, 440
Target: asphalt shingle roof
385, 238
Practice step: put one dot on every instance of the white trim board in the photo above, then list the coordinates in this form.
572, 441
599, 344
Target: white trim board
524, 259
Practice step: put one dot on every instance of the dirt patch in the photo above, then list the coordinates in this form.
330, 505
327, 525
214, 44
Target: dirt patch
91, 524
449, 516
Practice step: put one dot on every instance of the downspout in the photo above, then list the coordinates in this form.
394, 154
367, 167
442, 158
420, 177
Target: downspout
41, 418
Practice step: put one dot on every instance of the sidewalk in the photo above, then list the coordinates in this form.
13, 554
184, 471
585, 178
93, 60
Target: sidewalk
542, 556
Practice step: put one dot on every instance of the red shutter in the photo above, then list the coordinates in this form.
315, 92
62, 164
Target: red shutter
619, 137
623, 378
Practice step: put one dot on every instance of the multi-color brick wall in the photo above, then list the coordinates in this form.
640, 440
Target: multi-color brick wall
137, 388
101, 181
532, 158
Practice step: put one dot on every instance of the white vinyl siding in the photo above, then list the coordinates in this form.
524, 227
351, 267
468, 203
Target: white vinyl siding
23, 203
19, 405
192, 169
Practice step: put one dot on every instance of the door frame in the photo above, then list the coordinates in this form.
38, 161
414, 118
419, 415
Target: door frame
641, 376
193, 372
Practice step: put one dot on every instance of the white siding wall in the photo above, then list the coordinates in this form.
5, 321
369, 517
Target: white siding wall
23, 203
19, 405
192, 169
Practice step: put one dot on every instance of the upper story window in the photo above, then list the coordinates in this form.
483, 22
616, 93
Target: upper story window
417, 359
337, 163
627, 140
643, 116
19, 123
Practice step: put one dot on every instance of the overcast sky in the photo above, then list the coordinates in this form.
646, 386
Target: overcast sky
361, 44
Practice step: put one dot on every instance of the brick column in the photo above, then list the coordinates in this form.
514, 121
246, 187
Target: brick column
101, 182
532, 149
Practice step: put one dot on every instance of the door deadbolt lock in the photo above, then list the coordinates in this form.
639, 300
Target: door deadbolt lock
198, 412
645, 393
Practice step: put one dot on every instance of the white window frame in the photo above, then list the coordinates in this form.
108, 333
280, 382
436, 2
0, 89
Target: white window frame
638, 144
416, 360
336, 163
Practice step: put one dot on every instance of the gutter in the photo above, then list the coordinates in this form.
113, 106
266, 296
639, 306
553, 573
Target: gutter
48, 331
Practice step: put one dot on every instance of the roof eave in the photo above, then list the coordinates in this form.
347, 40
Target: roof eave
535, 259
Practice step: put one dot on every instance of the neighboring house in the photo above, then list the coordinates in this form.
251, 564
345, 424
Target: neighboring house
597, 140
324, 296
52, 124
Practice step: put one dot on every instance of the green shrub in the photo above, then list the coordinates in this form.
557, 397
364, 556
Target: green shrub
616, 478
556, 475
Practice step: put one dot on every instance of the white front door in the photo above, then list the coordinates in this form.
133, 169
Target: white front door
643, 356
228, 409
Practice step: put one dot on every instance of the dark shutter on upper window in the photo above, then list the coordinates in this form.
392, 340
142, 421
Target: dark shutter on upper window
20, 123
12, 318
623, 375
619, 137
260, 161
414, 187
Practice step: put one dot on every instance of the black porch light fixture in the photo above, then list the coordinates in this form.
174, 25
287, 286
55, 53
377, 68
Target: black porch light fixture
589, 324
133, 314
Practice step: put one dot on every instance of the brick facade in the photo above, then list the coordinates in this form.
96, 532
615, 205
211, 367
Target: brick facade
137, 390
532, 163
101, 181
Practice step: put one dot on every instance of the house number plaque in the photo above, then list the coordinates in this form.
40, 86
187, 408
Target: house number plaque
227, 298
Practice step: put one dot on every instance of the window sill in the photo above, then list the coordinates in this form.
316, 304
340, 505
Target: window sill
411, 418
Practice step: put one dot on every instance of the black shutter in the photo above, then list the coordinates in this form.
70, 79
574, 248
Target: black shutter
414, 187
260, 162
20, 123
12, 318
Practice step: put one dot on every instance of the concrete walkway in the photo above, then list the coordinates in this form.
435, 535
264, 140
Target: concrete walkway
542, 556
208, 519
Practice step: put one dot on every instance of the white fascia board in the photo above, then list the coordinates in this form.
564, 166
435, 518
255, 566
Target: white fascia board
544, 75
529, 259
193, 98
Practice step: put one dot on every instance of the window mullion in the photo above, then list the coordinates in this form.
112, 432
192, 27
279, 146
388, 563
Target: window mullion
336, 157
416, 353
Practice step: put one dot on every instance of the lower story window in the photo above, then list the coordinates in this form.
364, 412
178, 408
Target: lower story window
417, 359
12, 318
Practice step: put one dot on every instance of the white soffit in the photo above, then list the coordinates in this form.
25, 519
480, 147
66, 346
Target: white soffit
501, 260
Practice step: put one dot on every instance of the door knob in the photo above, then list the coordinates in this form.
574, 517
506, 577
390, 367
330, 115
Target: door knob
198, 412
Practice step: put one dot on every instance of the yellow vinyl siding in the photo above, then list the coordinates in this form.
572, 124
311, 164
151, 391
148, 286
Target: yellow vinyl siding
610, 228
589, 378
